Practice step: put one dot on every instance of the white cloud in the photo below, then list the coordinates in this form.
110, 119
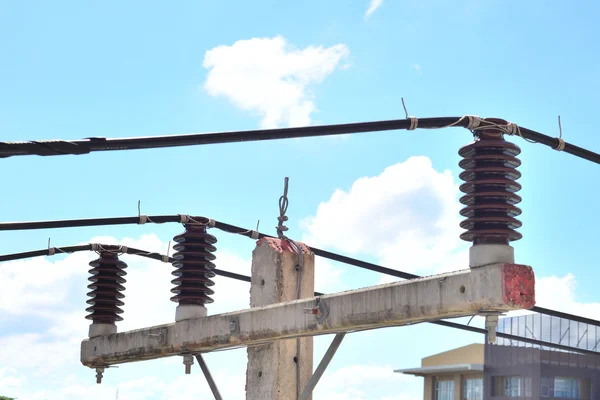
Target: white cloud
34, 286
407, 217
270, 78
374, 5
417, 68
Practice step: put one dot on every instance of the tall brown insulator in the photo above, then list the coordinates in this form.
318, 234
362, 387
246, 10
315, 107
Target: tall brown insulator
106, 287
193, 263
490, 187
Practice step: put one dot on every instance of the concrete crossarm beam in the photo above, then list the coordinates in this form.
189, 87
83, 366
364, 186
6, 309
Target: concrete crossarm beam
499, 287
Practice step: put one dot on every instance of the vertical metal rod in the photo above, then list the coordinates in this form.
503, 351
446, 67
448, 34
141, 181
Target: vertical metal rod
335, 344
209, 378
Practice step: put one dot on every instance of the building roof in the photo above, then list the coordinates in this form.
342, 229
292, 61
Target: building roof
440, 369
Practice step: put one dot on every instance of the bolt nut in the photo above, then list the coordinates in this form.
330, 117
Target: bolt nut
99, 374
188, 361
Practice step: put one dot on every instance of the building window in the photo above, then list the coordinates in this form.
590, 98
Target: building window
512, 386
527, 387
473, 389
572, 388
566, 388
506, 386
444, 390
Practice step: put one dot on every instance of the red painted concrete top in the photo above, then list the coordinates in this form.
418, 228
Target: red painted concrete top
280, 245
518, 285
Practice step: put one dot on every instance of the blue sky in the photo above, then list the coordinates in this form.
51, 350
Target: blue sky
72, 70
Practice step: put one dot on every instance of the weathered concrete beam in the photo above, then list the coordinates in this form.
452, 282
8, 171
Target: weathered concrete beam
499, 287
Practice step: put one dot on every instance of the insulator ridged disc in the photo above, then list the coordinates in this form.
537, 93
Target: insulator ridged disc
194, 267
490, 185
106, 287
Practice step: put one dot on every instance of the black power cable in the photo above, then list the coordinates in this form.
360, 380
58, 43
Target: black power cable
13, 226
85, 146
245, 278
93, 246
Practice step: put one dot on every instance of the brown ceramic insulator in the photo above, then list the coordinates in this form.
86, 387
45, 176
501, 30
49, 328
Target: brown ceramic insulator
490, 174
106, 288
194, 267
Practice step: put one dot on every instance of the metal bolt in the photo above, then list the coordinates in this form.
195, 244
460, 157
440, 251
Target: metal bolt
491, 323
188, 361
99, 374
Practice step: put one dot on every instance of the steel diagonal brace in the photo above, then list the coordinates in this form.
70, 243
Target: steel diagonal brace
314, 379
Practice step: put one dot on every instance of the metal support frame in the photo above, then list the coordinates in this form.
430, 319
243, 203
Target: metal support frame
209, 378
312, 383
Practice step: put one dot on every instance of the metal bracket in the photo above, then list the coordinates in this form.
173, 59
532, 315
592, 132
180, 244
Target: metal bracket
234, 325
314, 379
322, 310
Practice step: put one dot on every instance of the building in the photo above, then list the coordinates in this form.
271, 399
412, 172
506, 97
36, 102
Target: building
513, 369
454, 374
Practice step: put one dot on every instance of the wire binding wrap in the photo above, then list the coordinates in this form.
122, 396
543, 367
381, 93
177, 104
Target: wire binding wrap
561, 145
474, 122
414, 123
193, 263
490, 189
106, 287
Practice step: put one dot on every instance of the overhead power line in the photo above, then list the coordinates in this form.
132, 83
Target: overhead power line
227, 274
97, 247
181, 218
88, 145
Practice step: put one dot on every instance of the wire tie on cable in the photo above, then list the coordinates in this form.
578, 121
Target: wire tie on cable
474, 122
95, 246
143, 219
164, 258
254, 235
414, 123
184, 219
123, 249
51, 251
561, 142
512, 129
212, 223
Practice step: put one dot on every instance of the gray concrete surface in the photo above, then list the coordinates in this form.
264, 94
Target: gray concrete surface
271, 371
500, 287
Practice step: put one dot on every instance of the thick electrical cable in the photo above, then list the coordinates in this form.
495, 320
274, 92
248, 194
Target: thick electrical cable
85, 146
94, 246
13, 226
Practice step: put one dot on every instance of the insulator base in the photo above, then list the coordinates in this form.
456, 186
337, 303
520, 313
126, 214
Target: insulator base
486, 254
194, 267
189, 311
106, 287
99, 329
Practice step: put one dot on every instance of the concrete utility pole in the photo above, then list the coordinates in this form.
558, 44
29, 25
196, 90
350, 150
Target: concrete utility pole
275, 370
